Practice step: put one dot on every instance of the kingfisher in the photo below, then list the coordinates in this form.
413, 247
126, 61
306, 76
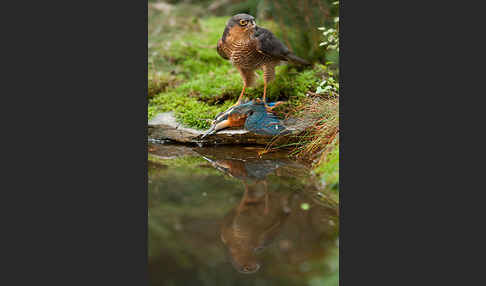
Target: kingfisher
253, 116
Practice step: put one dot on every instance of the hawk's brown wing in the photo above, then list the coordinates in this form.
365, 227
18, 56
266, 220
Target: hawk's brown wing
269, 45
221, 51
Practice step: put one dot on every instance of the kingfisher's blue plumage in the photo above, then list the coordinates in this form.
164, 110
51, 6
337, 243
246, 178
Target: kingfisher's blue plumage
259, 120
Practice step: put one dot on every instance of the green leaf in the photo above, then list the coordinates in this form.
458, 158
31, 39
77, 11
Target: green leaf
304, 206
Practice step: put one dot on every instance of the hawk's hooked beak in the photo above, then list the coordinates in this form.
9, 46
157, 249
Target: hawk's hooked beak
251, 25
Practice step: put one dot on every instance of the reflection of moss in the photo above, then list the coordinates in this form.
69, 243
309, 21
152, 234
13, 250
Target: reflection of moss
196, 165
182, 161
330, 276
179, 196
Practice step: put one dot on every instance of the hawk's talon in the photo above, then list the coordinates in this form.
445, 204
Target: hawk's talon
271, 108
260, 153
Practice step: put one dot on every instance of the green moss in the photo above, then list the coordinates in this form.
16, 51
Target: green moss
329, 169
160, 82
291, 84
188, 110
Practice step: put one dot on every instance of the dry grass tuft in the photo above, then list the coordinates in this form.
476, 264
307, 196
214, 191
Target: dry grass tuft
321, 115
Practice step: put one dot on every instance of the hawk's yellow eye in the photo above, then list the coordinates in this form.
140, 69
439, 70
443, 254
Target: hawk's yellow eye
243, 22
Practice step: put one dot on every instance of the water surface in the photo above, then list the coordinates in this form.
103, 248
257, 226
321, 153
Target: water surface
225, 216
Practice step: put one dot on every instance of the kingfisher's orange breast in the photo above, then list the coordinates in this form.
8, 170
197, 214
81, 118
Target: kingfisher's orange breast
237, 120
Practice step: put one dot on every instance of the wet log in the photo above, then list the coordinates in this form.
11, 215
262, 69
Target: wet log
165, 127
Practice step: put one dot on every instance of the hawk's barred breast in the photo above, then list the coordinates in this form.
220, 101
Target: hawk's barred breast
244, 54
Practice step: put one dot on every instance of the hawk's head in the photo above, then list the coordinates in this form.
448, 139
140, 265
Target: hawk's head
241, 25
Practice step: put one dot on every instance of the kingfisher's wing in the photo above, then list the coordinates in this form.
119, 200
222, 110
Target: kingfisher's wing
268, 124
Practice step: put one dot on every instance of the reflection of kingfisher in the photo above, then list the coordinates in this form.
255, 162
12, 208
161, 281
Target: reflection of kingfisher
253, 116
249, 173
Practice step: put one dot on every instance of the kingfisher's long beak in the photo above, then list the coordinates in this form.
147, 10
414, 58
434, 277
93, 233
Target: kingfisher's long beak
221, 125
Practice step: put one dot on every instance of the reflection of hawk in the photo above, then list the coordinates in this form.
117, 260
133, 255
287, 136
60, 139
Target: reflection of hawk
250, 47
252, 226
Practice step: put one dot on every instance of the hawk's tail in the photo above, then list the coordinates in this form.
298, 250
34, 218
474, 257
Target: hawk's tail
296, 59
